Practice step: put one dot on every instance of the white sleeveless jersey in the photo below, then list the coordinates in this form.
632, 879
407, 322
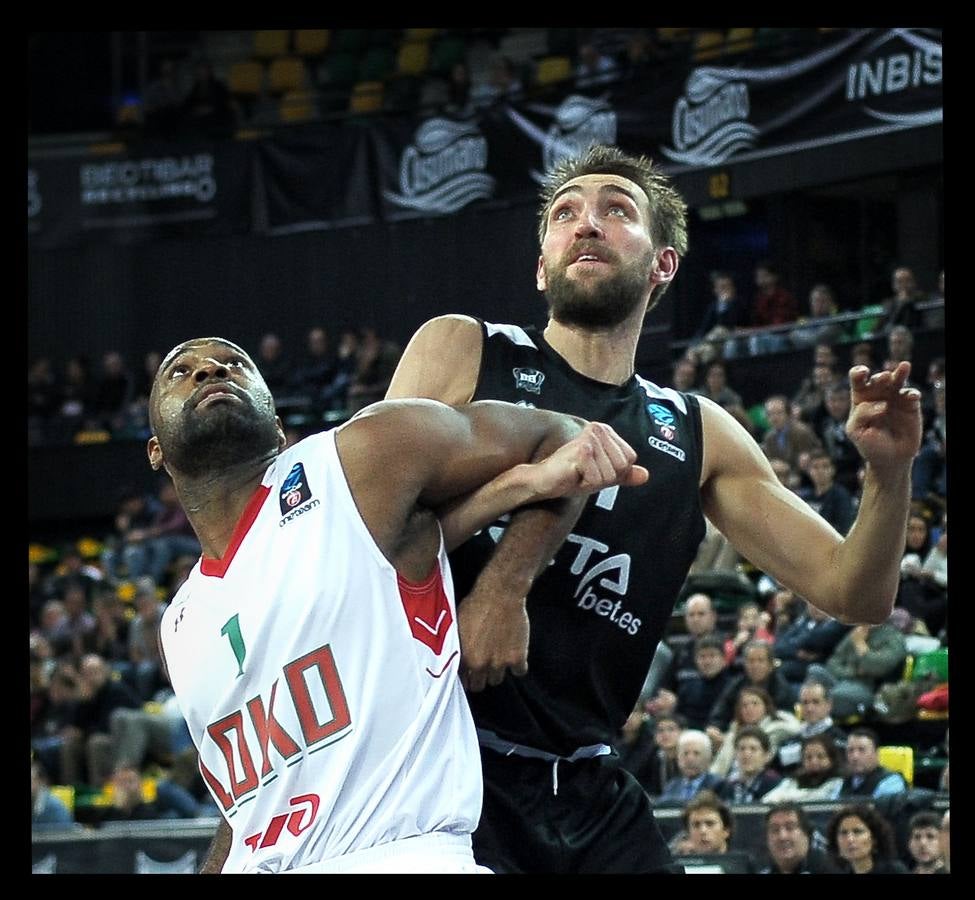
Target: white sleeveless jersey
319, 686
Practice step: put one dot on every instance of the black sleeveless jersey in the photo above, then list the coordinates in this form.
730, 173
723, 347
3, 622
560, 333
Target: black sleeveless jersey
599, 610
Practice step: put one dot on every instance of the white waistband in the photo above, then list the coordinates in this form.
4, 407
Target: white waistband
413, 854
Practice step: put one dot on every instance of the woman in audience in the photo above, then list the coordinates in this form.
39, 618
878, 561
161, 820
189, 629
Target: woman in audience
862, 842
819, 776
750, 777
754, 706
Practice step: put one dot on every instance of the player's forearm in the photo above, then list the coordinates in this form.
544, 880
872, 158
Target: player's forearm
530, 541
867, 562
219, 850
467, 515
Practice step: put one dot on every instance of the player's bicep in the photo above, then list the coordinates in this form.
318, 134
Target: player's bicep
766, 522
441, 361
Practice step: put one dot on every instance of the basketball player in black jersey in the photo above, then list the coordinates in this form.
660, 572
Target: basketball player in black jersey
612, 230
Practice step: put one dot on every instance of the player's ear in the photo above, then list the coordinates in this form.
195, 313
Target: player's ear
665, 266
282, 438
540, 280
155, 453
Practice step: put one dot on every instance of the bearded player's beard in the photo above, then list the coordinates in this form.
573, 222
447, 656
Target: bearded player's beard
605, 303
223, 438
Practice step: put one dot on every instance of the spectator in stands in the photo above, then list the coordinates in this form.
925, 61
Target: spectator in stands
696, 695
819, 776
593, 67
819, 328
831, 500
81, 624
811, 396
43, 397
901, 307
459, 91
923, 588
754, 706
715, 554
784, 607
168, 536
55, 628
750, 778
128, 803
163, 101
693, 760
77, 390
726, 311
865, 776
717, 389
862, 842
183, 793
274, 364
815, 706
376, 360
87, 747
929, 476
502, 83
335, 396
651, 762
113, 392
759, 671
864, 659
208, 107
708, 826
945, 840
46, 810
788, 837
832, 432
53, 704
811, 638
771, 305
862, 355
752, 626
684, 375
316, 369
111, 637
126, 554
786, 438
144, 655
700, 618
155, 732
924, 843
900, 344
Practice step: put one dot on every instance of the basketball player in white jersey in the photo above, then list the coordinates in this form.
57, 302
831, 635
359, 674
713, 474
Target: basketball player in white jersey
314, 649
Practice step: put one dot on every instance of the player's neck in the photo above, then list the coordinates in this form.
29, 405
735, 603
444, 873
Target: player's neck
214, 503
607, 355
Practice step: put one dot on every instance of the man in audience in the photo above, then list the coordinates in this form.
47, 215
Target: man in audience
867, 778
816, 705
788, 837
693, 761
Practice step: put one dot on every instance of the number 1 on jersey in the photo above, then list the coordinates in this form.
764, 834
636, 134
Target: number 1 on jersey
232, 630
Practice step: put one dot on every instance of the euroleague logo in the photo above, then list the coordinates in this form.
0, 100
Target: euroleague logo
295, 492
665, 423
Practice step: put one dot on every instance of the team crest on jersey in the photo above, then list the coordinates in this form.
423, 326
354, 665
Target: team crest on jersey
295, 490
528, 380
665, 424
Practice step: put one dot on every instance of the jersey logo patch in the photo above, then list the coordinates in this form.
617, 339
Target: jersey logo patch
665, 424
295, 489
427, 611
528, 380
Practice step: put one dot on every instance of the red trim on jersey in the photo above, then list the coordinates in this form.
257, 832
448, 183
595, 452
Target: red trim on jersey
218, 567
427, 608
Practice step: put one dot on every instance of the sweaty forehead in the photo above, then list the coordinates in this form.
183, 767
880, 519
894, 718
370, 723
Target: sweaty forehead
607, 183
199, 344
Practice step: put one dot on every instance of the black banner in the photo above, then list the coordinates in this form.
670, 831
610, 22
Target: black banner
860, 86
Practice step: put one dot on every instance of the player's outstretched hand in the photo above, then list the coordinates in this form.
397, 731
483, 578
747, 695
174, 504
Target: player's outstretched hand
885, 416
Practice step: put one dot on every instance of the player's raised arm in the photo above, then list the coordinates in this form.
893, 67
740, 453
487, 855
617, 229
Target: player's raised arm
854, 578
